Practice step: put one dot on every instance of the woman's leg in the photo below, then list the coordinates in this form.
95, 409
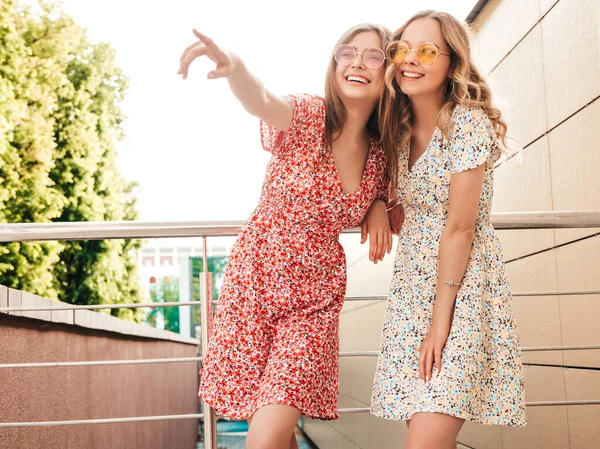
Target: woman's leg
272, 427
433, 431
293, 444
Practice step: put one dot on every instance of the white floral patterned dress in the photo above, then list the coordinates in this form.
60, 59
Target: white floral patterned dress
481, 377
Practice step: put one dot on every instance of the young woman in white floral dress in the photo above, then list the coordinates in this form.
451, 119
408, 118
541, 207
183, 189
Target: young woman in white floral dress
449, 346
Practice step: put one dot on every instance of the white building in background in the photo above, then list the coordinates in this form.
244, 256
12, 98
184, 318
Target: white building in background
162, 258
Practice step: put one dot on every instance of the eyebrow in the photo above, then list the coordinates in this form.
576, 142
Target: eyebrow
366, 48
409, 44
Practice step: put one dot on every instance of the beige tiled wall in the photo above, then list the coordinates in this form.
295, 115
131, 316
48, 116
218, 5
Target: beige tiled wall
499, 28
523, 102
582, 385
575, 164
545, 5
518, 188
579, 269
538, 318
558, 172
571, 55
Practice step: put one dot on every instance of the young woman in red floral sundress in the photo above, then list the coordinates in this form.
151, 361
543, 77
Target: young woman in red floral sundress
273, 352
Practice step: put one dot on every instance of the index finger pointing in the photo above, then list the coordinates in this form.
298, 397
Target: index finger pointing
214, 48
205, 39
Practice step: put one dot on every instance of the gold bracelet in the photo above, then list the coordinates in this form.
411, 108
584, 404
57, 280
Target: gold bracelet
451, 283
397, 203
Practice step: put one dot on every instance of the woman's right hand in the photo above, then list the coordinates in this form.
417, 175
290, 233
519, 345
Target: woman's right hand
272, 109
204, 46
376, 226
396, 216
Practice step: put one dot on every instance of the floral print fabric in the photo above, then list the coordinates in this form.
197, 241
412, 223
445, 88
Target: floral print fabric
481, 377
275, 334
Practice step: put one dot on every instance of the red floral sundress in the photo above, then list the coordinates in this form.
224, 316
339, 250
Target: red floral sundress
274, 338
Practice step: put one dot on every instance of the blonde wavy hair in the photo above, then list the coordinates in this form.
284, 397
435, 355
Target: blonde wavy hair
336, 112
465, 86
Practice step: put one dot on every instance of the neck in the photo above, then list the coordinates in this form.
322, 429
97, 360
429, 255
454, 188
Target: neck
357, 117
426, 109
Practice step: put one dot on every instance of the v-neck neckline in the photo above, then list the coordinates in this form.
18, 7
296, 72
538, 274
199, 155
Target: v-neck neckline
364, 173
433, 138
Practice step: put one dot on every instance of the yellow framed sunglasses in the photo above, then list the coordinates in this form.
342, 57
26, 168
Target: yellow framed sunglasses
427, 52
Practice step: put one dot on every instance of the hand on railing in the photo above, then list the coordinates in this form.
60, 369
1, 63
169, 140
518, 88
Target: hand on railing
377, 227
395, 212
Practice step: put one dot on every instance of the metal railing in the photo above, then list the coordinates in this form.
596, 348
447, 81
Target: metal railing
21, 232
119, 230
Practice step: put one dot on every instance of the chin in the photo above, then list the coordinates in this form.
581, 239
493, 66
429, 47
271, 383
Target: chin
407, 89
354, 96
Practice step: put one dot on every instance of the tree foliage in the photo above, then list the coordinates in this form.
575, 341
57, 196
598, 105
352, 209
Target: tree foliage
60, 119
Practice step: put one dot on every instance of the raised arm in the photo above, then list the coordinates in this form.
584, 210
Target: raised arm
272, 109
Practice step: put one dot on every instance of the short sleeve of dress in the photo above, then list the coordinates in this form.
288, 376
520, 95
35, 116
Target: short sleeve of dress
473, 141
308, 111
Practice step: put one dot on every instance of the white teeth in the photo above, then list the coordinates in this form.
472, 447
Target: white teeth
412, 75
358, 79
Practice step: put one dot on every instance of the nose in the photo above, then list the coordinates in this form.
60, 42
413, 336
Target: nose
411, 58
358, 61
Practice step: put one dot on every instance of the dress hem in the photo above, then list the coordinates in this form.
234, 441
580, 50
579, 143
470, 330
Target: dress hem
465, 416
241, 416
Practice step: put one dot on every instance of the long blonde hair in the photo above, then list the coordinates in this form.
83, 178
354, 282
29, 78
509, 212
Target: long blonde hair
336, 112
465, 86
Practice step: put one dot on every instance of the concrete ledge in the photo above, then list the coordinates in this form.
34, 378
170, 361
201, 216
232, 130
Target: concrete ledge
3, 296
31, 300
89, 319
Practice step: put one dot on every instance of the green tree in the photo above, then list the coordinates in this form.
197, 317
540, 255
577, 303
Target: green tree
28, 82
59, 121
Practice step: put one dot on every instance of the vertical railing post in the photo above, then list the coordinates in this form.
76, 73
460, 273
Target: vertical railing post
210, 417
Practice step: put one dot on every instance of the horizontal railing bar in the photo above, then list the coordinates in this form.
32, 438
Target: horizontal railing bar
153, 305
344, 411
341, 411
563, 293
519, 294
99, 230
101, 363
199, 359
347, 411
101, 421
359, 354
365, 298
523, 349
19, 232
560, 348
556, 403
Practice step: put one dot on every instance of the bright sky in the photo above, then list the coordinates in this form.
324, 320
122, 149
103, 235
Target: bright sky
192, 148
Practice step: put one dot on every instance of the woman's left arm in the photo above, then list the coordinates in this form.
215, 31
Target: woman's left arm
455, 247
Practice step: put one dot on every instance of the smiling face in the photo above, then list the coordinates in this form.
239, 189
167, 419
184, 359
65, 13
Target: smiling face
356, 81
415, 78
